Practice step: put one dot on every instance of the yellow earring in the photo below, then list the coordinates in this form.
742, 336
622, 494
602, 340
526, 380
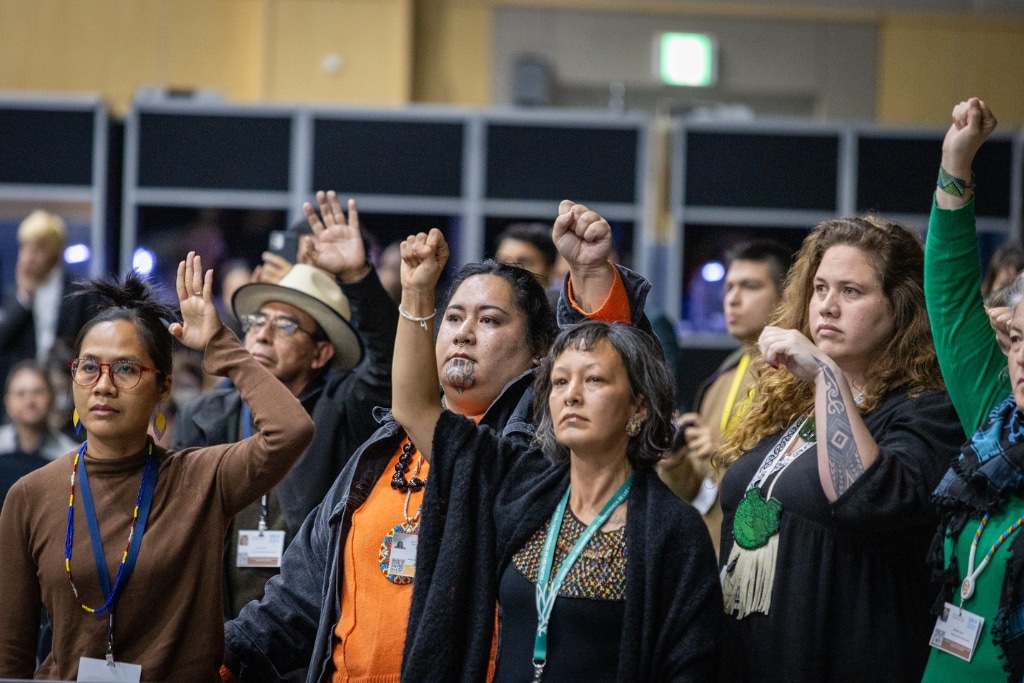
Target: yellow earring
159, 424
76, 421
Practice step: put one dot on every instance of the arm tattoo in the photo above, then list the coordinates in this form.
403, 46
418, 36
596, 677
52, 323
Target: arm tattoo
844, 463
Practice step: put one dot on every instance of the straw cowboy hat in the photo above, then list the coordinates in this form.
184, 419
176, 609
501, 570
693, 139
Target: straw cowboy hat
314, 291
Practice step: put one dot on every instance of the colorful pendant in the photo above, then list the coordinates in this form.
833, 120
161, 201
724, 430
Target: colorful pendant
385, 551
966, 588
756, 520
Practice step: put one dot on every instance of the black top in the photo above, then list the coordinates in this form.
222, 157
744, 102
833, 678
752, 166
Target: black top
486, 498
852, 592
14, 466
583, 636
586, 620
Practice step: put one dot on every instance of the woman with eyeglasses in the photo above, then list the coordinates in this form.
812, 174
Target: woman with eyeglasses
120, 541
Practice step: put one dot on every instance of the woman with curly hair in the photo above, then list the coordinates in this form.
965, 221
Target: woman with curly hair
826, 498
128, 567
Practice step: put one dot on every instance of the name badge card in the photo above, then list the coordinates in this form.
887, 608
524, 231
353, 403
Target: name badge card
91, 669
403, 555
259, 550
956, 632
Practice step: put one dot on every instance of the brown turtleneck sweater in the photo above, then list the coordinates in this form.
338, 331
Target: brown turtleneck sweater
169, 618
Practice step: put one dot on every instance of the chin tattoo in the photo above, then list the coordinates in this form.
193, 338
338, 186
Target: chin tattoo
460, 374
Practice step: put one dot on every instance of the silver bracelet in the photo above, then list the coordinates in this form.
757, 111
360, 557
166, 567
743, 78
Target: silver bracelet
422, 321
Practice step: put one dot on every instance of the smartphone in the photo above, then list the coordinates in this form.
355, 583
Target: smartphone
679, 438
285, 244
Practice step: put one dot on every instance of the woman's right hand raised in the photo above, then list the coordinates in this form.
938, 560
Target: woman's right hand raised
199, 317
424, 256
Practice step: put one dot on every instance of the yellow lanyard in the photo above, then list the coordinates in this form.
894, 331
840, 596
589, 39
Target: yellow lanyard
730, 400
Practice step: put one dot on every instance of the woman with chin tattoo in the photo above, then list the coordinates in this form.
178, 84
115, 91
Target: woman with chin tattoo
341, 602
599, 571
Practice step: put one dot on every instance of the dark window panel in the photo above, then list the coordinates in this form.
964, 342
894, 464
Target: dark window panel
214, 152
552, 163
388, 157
897, 175
46, 146
757, 170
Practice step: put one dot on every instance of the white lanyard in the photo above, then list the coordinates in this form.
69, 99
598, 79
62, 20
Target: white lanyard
967, 587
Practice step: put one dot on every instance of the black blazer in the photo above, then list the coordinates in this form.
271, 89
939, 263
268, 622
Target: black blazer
18, 330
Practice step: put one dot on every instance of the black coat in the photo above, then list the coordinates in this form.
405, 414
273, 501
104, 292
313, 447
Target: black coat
18, 330
487, 498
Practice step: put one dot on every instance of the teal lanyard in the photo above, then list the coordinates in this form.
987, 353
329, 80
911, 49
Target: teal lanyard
546, 594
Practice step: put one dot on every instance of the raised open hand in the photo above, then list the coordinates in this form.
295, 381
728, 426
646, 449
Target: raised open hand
200, 320
337, 243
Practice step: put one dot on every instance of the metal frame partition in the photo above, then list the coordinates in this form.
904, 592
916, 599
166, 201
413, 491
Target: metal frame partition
458, 165
794, 174
54, 151
203, 155
533, 159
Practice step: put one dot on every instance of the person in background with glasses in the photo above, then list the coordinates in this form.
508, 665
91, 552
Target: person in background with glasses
301, 329
72, 531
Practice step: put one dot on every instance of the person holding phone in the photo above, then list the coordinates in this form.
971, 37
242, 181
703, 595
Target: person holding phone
753, 285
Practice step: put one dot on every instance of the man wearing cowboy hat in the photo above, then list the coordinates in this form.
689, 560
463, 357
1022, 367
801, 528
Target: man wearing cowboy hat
300, 329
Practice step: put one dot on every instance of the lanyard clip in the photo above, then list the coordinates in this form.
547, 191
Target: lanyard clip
110, 639
538, 670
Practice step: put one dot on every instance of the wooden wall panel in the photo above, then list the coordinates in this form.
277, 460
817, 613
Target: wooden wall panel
927, 64
372, 38
453, 52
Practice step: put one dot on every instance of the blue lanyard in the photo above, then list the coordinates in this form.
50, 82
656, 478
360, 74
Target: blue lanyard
265, 499
546, 594
145, 501
246, 421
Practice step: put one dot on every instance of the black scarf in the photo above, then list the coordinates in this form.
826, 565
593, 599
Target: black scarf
988, 472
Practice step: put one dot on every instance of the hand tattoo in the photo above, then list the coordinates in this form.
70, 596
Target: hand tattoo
844, 463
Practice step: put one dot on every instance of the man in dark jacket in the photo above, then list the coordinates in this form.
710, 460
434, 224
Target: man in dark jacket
38, 318
301, 329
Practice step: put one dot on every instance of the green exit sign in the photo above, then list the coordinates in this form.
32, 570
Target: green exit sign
687, 59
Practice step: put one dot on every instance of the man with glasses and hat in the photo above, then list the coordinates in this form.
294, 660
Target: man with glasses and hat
301, 329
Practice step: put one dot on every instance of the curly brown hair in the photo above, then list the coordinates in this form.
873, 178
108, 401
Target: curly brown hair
908, 359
